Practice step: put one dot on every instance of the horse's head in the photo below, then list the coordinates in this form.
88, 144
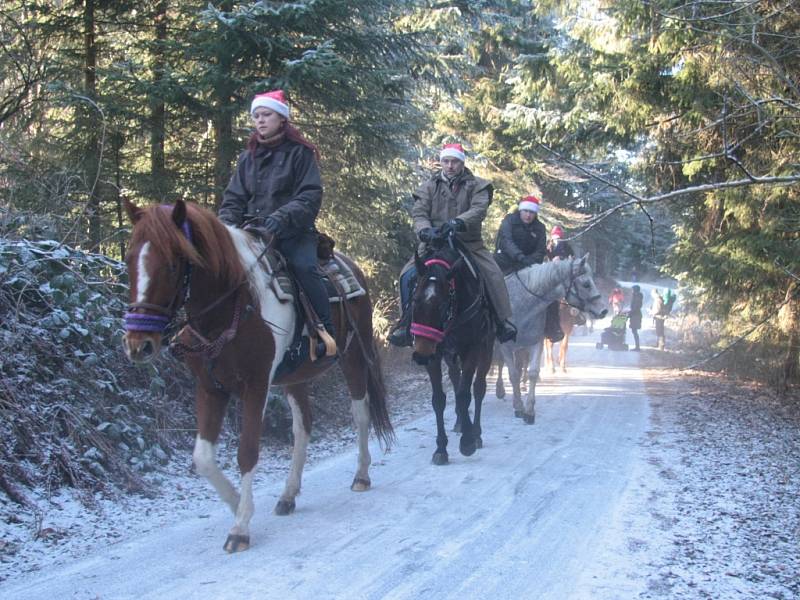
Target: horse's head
159, 266
433, 302
582, 292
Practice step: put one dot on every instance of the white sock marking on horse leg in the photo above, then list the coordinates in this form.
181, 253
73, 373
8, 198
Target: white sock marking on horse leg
206, 465
301, 437
360, 412
241, 526
142, 276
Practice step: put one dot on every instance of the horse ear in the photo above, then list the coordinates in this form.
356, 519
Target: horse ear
179, 213
134, 212
583, 260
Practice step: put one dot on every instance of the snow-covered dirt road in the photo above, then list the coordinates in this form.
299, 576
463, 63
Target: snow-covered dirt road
610, 495
523, 517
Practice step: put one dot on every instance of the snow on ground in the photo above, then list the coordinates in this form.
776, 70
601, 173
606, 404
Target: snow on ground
624, 488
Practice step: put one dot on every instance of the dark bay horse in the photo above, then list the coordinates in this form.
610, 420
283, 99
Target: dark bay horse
531, 290
236, 335
451, 321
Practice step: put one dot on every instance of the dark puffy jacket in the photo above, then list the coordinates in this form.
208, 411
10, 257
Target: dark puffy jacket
519, 245
283, 182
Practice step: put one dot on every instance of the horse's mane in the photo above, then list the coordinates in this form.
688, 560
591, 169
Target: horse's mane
544, 276
211, 247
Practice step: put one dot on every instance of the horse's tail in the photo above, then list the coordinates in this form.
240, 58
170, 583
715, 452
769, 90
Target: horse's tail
376, 388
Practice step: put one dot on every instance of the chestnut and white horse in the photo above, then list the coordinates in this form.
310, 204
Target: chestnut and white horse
236, 335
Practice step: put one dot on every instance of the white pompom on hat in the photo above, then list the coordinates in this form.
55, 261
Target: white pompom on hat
274, 100
530, 203
454, 151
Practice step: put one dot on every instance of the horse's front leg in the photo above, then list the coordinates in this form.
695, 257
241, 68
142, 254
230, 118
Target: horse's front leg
562, 353
500, 387
454, 373
479, 392
514, 373
548, 356
297, 395
434, 368
253, 399
528, 411
210, 409
467, 444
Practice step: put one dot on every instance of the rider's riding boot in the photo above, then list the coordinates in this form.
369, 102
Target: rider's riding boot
506, 331
400, 335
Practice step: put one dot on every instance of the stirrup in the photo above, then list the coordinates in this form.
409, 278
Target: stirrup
325, 338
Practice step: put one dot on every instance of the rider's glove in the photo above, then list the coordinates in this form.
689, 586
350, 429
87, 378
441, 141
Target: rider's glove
272, 225
426, 235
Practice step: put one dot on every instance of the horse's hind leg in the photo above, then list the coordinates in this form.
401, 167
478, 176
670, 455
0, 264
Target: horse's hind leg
562, 353
356, 377
499, 388
297, 394
529, 409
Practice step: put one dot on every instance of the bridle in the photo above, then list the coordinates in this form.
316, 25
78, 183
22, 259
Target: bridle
140, 317
581, 306
450, 319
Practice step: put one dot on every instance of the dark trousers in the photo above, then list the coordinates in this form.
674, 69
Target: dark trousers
301, 254
408, 282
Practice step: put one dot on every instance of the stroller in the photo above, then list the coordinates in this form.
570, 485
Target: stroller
614, 336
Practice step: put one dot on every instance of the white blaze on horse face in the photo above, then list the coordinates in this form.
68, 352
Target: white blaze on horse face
142, 276
430, 291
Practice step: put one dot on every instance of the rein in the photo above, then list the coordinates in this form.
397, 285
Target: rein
572, 278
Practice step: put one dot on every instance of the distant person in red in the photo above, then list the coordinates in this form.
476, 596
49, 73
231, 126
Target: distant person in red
615, 300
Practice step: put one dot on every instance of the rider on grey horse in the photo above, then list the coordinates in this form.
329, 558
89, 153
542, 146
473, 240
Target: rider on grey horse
522, 242
455, 200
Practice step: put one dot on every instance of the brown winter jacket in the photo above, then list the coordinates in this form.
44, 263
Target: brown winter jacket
283, 182
468, 198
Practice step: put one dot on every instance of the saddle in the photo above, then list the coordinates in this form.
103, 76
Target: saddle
340, 283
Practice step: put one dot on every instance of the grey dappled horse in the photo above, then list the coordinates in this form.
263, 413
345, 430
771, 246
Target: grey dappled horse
531, 290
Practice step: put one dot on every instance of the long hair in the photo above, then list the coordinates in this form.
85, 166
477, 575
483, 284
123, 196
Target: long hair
292, 133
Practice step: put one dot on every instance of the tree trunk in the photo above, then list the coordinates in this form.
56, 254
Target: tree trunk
790, 324
158, 171
224, 150
92, 162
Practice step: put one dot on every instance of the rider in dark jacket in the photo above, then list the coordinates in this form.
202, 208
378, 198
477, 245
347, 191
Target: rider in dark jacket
557, 248
521, 239
522, 242
276, 190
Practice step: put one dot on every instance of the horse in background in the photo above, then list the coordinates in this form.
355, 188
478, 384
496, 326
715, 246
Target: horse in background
568, 317
451, 322
531, 290
236, 335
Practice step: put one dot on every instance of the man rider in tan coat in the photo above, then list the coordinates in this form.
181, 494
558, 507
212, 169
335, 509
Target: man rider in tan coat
455, 199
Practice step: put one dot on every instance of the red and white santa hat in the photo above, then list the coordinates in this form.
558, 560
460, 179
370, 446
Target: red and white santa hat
274, 100
557, 232
530, 203
454, 151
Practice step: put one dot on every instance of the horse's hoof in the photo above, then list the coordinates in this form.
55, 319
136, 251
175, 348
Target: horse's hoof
479, 442
519, 414
360, 484
284, 507
529, 419
457, 428
236, 543
500, 393
440, 458
467, 448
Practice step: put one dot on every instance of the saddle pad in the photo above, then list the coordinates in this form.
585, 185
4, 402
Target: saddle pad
333, 269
